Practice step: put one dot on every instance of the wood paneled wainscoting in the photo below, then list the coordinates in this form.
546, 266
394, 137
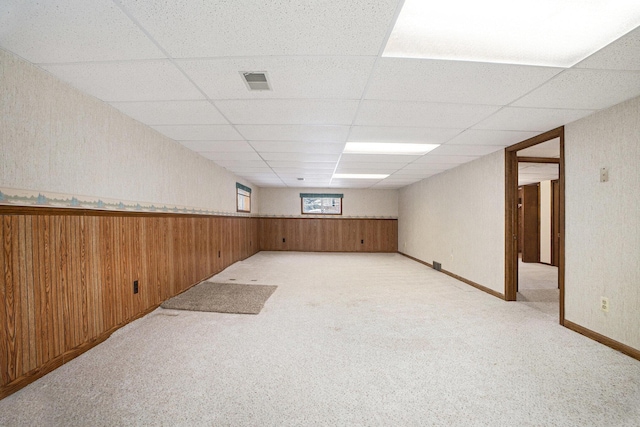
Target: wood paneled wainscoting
328, 235
66, 276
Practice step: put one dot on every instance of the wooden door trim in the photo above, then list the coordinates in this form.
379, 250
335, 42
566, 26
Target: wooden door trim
511, 212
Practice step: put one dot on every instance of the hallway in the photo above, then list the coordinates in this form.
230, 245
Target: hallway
538, 287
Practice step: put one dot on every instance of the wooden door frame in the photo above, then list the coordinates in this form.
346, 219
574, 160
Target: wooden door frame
511, 214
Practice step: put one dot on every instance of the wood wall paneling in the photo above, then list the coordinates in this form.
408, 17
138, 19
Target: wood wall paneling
328, 235
66, 276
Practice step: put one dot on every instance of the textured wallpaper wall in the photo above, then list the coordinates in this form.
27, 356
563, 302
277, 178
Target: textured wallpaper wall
55, 139
603, 222
457, 218
356, 202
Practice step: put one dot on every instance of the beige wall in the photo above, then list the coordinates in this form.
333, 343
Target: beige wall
603, 222
55, 139
457, 218
356, 202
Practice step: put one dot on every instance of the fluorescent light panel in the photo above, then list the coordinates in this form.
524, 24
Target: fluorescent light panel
388, 148
556, 33
360, 176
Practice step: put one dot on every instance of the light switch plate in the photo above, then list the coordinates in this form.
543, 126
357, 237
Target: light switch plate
604, 174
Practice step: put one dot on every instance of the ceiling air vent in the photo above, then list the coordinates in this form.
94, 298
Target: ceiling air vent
256, 80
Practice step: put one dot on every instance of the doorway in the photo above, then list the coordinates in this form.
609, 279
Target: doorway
515, 243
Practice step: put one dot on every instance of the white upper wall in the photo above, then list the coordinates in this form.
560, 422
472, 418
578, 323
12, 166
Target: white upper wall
603, 222
56, 139
356, 202
457, 219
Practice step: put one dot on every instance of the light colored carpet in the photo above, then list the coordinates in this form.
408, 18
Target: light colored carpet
348, 339
538, 287
222, 298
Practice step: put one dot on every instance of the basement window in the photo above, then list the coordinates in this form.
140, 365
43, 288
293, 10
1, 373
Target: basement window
243, 198
321, 204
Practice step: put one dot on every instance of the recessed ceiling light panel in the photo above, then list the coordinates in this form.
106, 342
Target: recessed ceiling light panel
388, 148
557, 33
255, 80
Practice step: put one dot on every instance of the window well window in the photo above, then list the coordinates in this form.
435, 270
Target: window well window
243, 198
321, 204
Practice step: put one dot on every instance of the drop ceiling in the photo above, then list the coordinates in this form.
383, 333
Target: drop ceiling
177, 67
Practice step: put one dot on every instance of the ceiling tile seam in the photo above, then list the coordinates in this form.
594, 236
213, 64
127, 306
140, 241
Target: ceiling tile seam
555, 76
175, 64
105, 62
375, 64
401, 101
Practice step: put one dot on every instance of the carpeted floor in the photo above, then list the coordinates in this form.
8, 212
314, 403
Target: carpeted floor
359, 339
538, 287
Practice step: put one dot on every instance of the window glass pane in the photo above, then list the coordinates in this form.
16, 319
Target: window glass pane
322, 205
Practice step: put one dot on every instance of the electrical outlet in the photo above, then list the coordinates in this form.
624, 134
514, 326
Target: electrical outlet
604, 304
604, 174
135, 286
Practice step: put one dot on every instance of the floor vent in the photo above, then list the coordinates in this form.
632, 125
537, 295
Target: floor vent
256, 80
437, 266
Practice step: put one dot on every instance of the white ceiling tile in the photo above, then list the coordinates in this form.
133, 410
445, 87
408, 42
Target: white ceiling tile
306, 133
304, 184
156, 80
454, 81
301, 157
370, 168
377, 158
208, 29
172, 112
531, 119
297, 147
422, 114
413, 173
584, 89
622, 54
288, 76
292, 171
199, 132
401, 180
353, 183
401, 134
465, 150
302, 165
72, 31
218, 156
429, 158
491, 137
289, 111
236, 146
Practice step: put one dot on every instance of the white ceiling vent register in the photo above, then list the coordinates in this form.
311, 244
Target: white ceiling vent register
256, 80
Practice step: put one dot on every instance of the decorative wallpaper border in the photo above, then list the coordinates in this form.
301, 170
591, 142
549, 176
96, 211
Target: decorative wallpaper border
16, 197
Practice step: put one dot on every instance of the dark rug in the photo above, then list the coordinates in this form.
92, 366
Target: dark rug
222, 298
